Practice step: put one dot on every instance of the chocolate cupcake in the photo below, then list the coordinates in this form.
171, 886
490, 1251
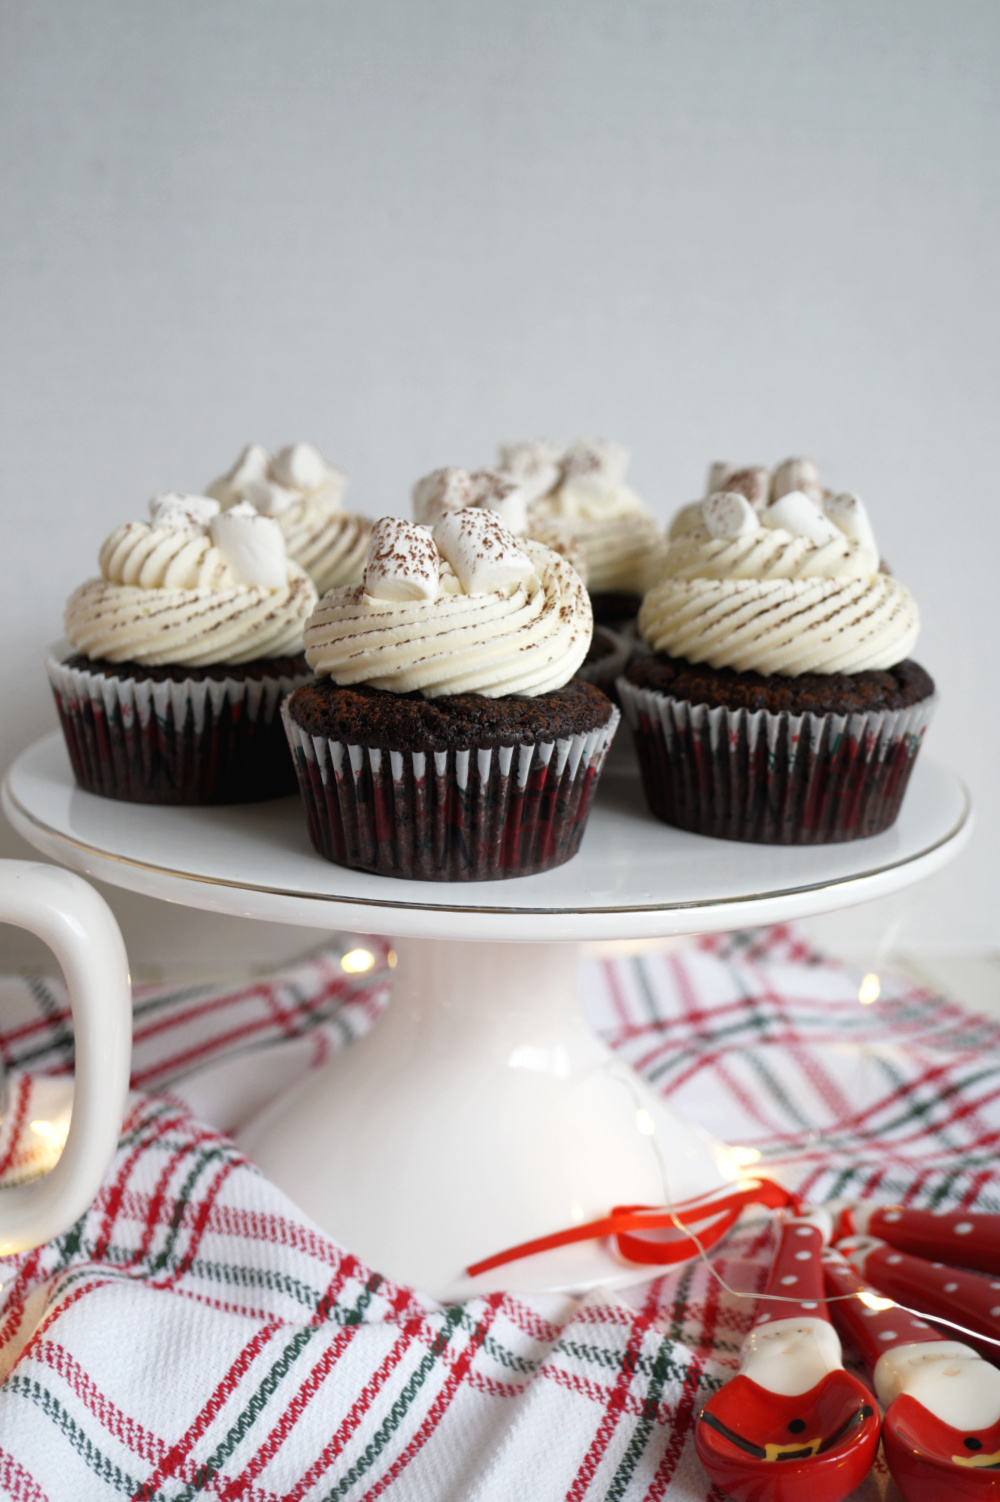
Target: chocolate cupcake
305, 494
582, 491
180, 655
445, 738
778, 703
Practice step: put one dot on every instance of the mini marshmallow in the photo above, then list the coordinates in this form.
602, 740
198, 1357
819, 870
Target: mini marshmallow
403, 563
253, 545
441, 491
797, 474
850, 514
729, 514
251, 465
717, 474
182, 513
754, 482
300, 466
502, 495
524, 457
267, 497
797, 513
535, 465
594, 466
485, 555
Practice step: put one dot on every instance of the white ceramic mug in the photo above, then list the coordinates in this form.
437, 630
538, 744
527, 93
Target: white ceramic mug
80, 929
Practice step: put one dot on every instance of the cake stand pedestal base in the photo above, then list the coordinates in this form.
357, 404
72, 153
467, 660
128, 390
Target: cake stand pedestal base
481, 1111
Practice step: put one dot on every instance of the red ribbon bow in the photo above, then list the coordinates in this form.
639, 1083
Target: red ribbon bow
664, 1235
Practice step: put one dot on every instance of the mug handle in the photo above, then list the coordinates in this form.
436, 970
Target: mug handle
79, 927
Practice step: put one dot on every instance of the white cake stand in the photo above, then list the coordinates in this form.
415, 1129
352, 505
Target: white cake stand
481, 1111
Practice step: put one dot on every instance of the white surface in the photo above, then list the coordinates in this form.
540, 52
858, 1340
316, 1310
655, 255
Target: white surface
481, 1112
633, 876
80, 929
407, 231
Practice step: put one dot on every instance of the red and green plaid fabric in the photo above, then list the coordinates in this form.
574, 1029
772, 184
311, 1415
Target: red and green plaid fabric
194, 1335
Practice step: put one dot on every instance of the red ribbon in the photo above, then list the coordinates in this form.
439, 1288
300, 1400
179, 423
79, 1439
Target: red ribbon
713, 1215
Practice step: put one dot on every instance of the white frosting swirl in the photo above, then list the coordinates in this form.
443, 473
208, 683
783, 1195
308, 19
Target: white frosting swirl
770, 602
562, 539
330, 544
619, 551
571, 503
528, 640
305, 494
588, 498
170, 596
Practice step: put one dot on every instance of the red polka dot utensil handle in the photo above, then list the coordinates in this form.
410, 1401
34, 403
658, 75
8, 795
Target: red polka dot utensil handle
969, 1299
797, 1271
864, 1319
961, 1238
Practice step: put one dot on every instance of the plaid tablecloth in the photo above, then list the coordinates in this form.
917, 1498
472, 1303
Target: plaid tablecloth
195, 1335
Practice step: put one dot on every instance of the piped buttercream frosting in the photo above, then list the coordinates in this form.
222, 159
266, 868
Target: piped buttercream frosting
506, 616
792, 588
192, 586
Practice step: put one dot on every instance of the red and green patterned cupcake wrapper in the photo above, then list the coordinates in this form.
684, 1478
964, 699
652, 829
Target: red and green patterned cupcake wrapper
195, 741
773, 779
468, 815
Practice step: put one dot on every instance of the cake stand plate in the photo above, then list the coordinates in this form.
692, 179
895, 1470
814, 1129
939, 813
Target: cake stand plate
481, 1111
633, 877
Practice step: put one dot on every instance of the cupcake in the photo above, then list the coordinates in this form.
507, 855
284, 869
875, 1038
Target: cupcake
778, 702
582, 490
181, 653
305, 494
445, 737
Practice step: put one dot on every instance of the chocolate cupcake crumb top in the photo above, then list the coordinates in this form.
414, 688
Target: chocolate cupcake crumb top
898, 687
408, 722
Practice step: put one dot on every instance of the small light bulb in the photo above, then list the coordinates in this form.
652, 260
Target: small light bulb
357, 961
874, 1301
744, 1156
869, 990
390, 959
645, 1122
43, 1129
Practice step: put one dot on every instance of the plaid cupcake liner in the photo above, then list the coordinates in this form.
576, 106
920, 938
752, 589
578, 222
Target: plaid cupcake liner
196, 741
773, 779
469, 815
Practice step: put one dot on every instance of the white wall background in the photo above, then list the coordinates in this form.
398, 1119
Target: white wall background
710, 228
